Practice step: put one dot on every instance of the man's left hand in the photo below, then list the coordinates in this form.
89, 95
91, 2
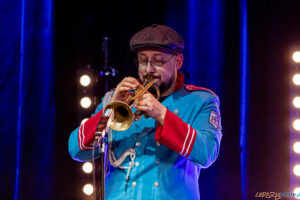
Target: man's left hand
149, 104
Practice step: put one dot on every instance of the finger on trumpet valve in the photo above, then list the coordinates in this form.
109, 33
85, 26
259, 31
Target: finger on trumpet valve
136, 103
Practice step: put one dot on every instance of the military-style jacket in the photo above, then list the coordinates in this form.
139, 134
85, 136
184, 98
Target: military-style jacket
169, 157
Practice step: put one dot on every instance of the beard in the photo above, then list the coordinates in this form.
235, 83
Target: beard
164, 86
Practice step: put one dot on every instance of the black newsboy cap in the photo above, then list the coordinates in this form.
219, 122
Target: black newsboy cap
157, 36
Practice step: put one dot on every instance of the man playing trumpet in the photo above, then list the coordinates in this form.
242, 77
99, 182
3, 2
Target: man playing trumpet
168, 149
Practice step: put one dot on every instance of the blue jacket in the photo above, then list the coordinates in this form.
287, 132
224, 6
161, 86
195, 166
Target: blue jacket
169, 157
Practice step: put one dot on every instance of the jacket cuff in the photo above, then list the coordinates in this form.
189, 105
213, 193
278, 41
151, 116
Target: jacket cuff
176, 134
86, 132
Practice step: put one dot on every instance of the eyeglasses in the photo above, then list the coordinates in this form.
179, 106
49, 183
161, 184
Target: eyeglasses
154, 62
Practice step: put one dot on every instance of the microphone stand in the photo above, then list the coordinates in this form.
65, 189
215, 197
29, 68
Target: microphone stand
108, 71
102, 127
100, 133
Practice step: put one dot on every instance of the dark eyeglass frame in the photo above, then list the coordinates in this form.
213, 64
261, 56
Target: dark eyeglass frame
151, 62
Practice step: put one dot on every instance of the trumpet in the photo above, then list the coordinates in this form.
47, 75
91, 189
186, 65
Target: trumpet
123, 115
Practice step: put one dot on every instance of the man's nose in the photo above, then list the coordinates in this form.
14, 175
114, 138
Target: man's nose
150, 68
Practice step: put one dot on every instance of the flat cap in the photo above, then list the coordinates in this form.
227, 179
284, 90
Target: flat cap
157, 36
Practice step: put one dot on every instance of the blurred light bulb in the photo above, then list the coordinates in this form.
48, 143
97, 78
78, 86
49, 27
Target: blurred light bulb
297, 170
296, 102
85, 80
296, 79
296, 124
296, 147
87, 167
88, 189
297, 191
296, 56
85, 102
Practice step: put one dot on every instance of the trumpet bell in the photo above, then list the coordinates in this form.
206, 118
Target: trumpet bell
123, 115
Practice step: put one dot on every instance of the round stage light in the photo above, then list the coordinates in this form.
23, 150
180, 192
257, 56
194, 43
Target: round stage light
296, 56
88, 189
83, 121
87, 167
296, 102
296, 170
296, 79
296, 147
85, 102
297, 191
85, 80
296, 124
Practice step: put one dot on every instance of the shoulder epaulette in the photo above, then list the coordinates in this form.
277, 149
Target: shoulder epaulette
193, 88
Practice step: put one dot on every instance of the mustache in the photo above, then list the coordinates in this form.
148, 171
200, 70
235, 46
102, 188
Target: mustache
152, 75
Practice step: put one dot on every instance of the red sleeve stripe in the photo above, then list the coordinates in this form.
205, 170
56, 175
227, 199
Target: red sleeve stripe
86, 132
176, 134
186, 137
79, 138
188, 148
83, 141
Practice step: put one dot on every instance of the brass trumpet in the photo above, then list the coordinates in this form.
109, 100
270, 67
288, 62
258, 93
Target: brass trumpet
122, 114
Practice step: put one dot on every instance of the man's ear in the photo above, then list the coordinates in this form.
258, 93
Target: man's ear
179, 61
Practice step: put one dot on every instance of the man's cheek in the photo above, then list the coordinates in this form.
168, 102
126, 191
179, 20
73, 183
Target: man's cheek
141, 75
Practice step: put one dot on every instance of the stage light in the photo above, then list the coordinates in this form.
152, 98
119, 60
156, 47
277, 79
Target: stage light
296, 102
296, 147
296, 170
83, 121
85, 102
87, 167
88, 189
296, 79
296, 56
296, 124
297, 191
85, 80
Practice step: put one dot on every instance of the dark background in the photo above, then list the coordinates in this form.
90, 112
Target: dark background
272, 27
78, 28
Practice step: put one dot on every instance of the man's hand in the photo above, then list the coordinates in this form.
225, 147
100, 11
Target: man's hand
124, 86
149, 104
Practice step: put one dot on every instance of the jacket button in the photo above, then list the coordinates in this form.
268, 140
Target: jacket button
156, 184
157, 143
157, 162
133, 184
138, 144
175, 111
137, 163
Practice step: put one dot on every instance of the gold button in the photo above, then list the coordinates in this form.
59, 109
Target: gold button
156, 184
137, 163
138, 144
157, 143
133, 184
175, 111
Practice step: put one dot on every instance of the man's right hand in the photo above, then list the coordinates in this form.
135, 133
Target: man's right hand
128, 83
